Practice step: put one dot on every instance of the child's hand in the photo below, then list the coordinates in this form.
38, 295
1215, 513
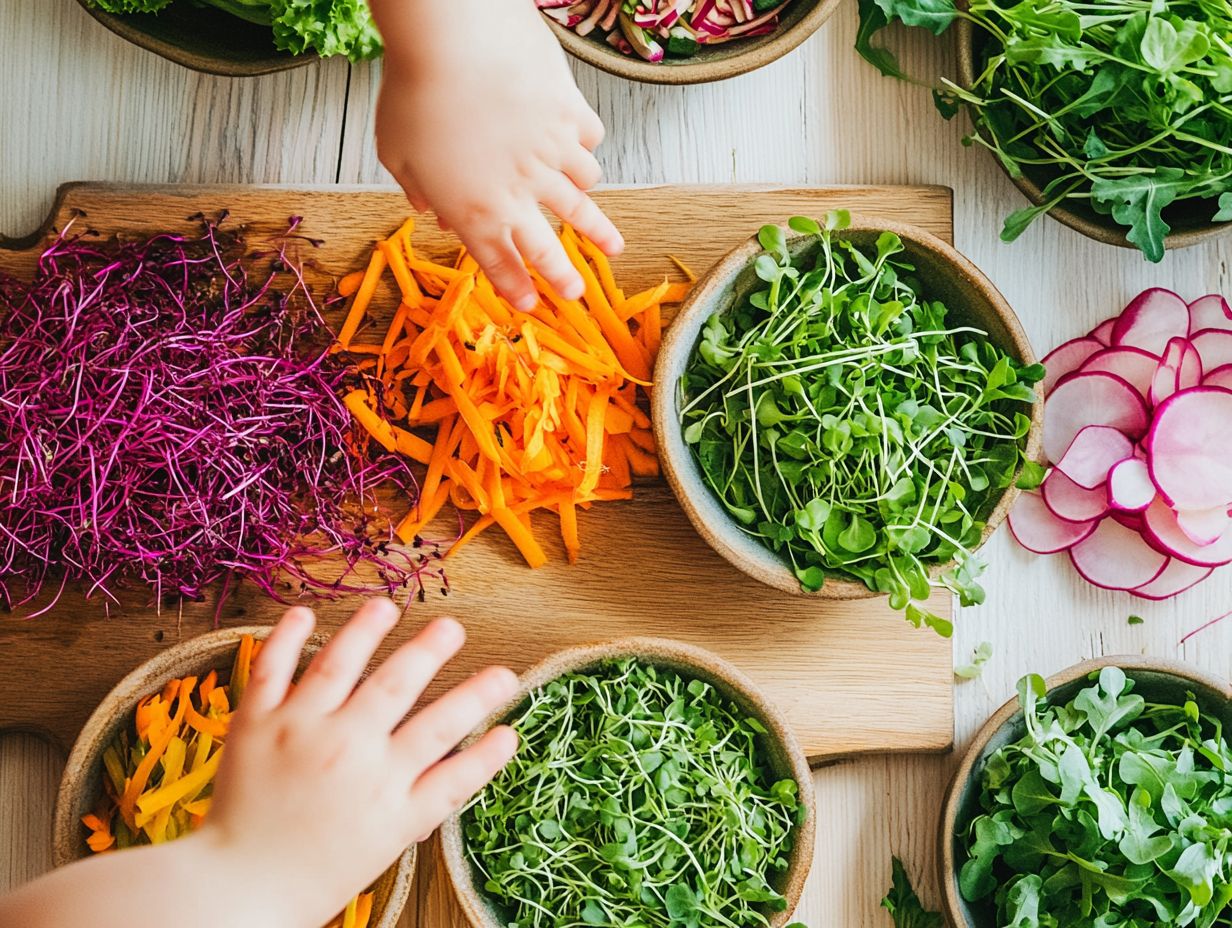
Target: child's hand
323, 785
480, 119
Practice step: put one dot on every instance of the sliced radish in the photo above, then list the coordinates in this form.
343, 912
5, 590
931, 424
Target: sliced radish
1131, 520
1102, 333
1133, 365
1215, 348
1092, 454
1066, 500
1210, 312
1189, 448
1180, 369
1067, 358
1204, 526
1130, 488
1175, 579
1117, 558
1038, 530
1086, 399
1161, 528
1220, 377
1153, 317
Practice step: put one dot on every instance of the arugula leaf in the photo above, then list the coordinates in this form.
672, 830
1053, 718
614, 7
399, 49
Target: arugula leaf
1138, 202
904, 905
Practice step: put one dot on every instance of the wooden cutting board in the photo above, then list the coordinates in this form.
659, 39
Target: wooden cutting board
852, 677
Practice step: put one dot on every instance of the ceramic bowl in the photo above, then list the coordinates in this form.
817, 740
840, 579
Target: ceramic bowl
972, 299
82, 779
1190, 222
204, 39
1156, 679
718, 62
785, 754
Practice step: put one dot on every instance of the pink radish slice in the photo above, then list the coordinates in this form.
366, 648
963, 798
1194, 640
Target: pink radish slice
1067, 358
1129, 485
1161, 528
1180, 369
1066, 500
1210, 312
1151, 318
1189, 448
1038, 530
1220, 377
1133, 365
1086, 399
1102, 333
1175, 579
1092, 453
1117, 558
1204, 526
1214, 347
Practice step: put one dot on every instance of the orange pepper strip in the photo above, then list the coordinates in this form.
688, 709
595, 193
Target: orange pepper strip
141, 776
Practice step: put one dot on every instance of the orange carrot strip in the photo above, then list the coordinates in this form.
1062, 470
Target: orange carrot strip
363, 296
365, 415
641, 462
419, 518
412, 445
603, 267
640, 302
632, 355
350, 283
411, 294
652, 329
521, 536
435, 411
596, 412
141, 776
684, 268
481, 525
676, 293
569, 530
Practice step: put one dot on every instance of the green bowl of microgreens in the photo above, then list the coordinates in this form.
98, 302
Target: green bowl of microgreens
844, 409
1100, 797
654, 786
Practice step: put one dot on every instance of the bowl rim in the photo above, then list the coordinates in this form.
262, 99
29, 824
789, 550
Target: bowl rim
688, 659
1107, 233
733, 64
121, 26
947, 870
747, 554
120, 698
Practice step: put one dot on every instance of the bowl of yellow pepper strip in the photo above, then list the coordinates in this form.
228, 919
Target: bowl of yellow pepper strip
142, 770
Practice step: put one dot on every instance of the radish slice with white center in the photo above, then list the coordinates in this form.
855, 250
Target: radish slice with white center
1180, 369
1153, 317
1133, 365
1214, 347
1038, 530
1129, 485
1204, 526
1210, 312
1220, 377
1161, 527
1189, 448
1086, 399
1175, 579
1067, 358
1117, 558
1102, 333
1066, 500
1092, 454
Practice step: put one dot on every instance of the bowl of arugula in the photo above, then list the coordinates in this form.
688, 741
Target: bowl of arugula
1099, 796
844, 409
654, 785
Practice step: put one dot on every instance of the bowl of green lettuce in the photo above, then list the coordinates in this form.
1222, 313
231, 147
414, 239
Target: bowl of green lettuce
242, 38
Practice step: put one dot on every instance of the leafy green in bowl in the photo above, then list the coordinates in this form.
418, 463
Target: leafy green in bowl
652, 787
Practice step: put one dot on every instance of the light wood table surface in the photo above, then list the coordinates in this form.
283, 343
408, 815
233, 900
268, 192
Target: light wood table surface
78, 103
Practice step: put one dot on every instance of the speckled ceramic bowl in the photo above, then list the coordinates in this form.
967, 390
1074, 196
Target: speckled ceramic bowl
972, 299
82, 779
785, 755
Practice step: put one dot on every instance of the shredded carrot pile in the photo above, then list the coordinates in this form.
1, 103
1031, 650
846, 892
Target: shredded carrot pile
158, 773
509, 411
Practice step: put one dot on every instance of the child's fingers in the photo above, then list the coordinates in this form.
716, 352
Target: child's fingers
583, 169
393, 688
332, 675
503, 265
435, 731
543, 251
446, 787
590, 129
576, 208
275, 665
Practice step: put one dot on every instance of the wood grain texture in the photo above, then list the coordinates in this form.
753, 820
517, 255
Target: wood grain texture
89, 106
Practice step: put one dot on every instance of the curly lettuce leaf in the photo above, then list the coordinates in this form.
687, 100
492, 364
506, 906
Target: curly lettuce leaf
129, 6
254, 11
328, 27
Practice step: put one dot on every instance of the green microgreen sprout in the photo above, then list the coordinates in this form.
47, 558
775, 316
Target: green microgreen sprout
849, 424
638, 797
904, 905
975, 667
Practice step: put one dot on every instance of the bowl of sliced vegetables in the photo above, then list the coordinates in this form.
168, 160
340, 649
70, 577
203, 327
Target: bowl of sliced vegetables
142, 769
844, 408
1098, 796
241, 38
654, 785
683, 41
